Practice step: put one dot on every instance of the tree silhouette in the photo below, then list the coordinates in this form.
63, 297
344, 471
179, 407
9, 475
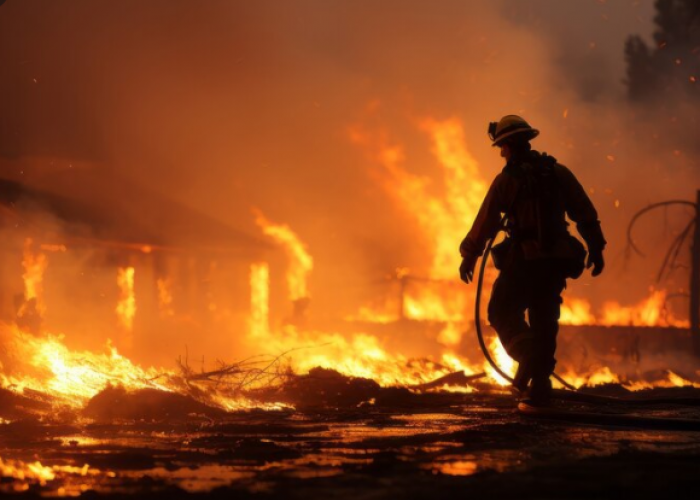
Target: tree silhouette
672, 66
672, 255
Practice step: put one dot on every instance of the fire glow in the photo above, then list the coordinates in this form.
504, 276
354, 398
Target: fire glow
34, 265
432, 296
126, 309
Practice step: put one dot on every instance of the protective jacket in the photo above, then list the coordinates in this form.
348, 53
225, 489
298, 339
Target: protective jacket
536, 193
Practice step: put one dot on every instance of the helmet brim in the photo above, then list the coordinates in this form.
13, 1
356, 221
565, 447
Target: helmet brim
532, 132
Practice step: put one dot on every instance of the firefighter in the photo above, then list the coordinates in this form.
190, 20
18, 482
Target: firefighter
530, 199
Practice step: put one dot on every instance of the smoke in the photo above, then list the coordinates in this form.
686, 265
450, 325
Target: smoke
585, 40
223, 105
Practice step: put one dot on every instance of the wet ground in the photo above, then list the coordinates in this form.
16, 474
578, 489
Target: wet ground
454, 446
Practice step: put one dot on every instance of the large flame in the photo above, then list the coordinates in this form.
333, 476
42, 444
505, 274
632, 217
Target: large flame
465, 189
44, 364
441, 215
434, 298
49, 366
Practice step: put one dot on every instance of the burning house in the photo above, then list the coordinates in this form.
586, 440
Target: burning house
93, 254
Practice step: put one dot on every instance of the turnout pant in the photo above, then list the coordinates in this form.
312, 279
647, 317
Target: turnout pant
534, 287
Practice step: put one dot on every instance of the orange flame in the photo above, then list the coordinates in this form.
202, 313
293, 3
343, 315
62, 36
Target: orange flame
71, 375
576, 312
34, 265
440, 216
649, 312
126, 308
362, 355
259, 300
504, 362
465, 189
46, 365
300, 261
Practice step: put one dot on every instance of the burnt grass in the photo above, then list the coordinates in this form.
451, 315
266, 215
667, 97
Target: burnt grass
338, 445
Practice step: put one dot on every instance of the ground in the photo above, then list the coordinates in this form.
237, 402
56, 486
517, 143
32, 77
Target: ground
423, 446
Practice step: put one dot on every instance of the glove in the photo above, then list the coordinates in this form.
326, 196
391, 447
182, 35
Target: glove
595, 260
466, 270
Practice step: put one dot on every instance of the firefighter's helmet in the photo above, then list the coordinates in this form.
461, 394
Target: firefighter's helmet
508, 126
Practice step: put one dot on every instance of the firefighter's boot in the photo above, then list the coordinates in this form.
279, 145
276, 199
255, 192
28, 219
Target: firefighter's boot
540, 392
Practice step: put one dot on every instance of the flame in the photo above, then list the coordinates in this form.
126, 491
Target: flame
426, 303
71, 376
362, 355
504, 362
441, 216
451, 335
649, 312
300, 261
126, 308
34, 265
358, 354
576, 312
605, 375
259, 300
46, 365
599, 376
465, 189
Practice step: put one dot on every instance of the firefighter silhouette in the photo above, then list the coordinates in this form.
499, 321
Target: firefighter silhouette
531, 198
